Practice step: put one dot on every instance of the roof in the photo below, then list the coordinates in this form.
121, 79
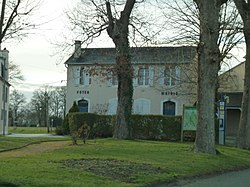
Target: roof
140, 55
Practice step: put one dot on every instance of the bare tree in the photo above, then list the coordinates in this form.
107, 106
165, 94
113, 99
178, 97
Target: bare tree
17, 101
184, 28
57, 101
188, 20
243, 140
15, 20
90, 19
209, 58
15, 73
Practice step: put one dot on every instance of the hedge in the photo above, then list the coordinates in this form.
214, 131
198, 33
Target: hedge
155, 127
147, 127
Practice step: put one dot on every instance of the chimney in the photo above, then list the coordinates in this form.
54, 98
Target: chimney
77, 52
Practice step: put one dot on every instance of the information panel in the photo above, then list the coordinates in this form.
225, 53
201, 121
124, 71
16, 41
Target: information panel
189, 118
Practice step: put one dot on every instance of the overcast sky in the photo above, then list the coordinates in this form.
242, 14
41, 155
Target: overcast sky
35, 53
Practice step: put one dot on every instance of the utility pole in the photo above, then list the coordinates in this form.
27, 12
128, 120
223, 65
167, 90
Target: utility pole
46, 111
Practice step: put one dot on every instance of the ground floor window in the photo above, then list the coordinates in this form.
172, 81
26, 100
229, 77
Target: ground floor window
142, 106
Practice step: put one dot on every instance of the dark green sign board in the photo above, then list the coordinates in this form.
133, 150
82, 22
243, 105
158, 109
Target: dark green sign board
189, 118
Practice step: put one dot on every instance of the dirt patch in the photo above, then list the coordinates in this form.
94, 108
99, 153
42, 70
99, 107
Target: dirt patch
35, 149
121, 170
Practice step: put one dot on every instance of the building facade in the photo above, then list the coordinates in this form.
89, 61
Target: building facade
231, 89
159, 74
4, 92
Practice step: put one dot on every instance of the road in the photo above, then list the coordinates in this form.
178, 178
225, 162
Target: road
34, 135
231, 179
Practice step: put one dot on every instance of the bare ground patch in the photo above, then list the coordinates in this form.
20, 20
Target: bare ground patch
35, 149
121, 170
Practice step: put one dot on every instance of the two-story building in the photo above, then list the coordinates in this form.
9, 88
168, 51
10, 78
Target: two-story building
231, 89
4, 91
161, 81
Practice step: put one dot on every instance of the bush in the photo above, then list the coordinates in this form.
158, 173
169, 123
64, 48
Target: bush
148, 127
155, 127
64, 128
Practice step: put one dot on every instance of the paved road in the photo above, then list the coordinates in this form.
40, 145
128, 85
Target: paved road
34, 135
231, 179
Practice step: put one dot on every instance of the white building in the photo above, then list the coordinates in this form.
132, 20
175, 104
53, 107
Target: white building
159, 74
4, 91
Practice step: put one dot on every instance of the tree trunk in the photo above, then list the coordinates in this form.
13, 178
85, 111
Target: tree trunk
243, 139
125, 96
208, 67
118, 31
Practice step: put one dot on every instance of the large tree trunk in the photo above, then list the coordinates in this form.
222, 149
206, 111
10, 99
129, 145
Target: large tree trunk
125, 96
208, 67
118, 31
243, 139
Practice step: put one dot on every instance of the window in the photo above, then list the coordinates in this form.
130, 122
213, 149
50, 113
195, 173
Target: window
112, 79
2, 71
170, 75
112, 106
85, 77
142, 106
143, 76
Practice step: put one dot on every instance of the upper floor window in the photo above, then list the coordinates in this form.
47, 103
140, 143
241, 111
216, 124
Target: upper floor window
81, 76
143, 76
112, 79
170, 75
85, 77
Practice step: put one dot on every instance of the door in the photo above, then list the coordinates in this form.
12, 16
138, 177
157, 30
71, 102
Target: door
83, 105
169, 108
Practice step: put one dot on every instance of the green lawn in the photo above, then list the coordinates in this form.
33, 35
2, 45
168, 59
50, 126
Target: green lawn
29, 130
109, 162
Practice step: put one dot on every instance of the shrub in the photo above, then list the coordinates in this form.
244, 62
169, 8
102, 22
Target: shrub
76, 122
149, 127
64, 128
155, 127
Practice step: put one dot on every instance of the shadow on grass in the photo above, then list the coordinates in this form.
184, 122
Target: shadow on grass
7, 184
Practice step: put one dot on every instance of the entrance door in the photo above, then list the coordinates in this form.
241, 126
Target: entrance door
169, 108
83, 105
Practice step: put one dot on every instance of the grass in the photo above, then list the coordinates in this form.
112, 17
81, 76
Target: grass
109, 162
28, 130
7, 143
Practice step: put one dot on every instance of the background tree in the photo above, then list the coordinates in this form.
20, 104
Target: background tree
57, 101
209, 58
15, 74
183, 25
17, 101
243, 139
90, 19
40, 104
15, 20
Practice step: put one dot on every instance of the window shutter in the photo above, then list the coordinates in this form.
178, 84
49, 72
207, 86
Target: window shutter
178, 74
86, 78
161, 75
145, 108
112, 106
135, 79
109, 82
151, 75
